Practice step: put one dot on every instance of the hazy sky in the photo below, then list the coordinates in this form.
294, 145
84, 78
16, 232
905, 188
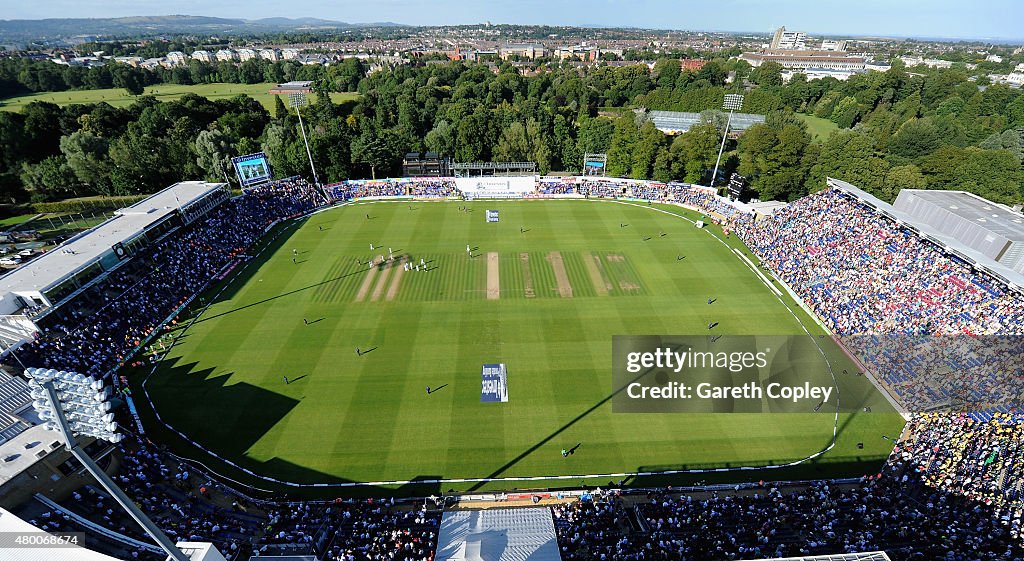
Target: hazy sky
917, 18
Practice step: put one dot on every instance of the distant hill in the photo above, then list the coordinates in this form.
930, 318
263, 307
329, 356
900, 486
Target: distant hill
58, 30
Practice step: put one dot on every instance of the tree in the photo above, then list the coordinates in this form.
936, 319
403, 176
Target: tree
695, 152
649, 143
851, 156
1012, 140
595, 135
846, 112
513, 146
667, 71
620, 154
374, 150
827, 104
713, 73
280, 110
441, 138
903, 177
50, 179
130, 79
473, 138
213, 154
776, 157
87, 157
13, 141
993, 174
767, 74
916, 138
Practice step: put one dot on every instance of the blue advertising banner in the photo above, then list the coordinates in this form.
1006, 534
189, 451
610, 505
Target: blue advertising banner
494, 388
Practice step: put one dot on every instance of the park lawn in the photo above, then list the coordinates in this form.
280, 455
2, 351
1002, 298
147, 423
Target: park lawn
348, 417
15, 220
821, 129
117, 97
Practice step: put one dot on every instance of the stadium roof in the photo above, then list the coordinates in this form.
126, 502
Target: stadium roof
292, 87
676, 121
500, 534
11, 525
996, 218
926, 231
86, 248
867, 556
23, 450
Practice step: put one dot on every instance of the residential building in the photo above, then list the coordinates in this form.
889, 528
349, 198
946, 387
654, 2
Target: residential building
246, 54
289, 54
692, 64
202, 56
584, 52
135, 61
877, 65
270, 54
176, 58
226, 55
929, 62
523, 50
783, 39
833, 45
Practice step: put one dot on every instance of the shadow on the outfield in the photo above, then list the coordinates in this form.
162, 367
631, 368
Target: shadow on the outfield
227, 417
289, 293
755, 471
560, 430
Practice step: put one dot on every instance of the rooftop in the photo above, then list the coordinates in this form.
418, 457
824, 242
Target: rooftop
991, 216
85, 248
952, 245
292, 87
25, 449
11, 525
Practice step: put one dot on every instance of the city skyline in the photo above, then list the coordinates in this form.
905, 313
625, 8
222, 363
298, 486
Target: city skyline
939, 19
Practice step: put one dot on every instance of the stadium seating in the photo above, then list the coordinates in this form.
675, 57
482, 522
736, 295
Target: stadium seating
951, 490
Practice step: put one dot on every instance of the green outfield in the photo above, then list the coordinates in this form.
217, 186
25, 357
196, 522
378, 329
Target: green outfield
546, 289
118, 97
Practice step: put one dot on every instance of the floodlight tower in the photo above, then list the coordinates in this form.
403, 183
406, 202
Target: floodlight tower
73, 405
298, 101
732, 103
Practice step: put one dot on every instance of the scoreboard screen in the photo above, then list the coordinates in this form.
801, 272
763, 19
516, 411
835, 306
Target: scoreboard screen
492, 216
252, 169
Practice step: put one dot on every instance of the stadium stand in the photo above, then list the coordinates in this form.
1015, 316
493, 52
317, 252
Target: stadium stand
951, 489
101, 328
677, 122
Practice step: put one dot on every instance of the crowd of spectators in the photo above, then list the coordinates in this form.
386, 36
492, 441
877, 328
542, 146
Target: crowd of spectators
863, 273
867, 277
104, 325
185, 506
891, 512
952, 489
981, 460
364, 530
416, 187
